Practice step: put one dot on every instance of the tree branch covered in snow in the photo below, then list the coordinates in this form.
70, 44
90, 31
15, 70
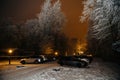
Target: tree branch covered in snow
105, 15
104, 25
37, 33
51, 17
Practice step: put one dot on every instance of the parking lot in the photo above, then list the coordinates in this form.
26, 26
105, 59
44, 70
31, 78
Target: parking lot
98, 70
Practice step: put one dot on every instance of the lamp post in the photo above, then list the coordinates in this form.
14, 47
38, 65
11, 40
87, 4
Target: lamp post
10, 51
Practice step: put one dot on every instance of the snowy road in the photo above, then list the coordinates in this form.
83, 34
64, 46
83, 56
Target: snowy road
98, 70
19, 72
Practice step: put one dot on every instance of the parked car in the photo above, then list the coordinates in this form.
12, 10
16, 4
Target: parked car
44, 57
78, 61
34, 59
51, 57
85, 57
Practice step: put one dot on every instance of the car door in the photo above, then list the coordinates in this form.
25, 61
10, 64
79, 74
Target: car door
31, 59
67, 60
75, 61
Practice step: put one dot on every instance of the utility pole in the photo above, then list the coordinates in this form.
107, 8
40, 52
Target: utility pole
10, 51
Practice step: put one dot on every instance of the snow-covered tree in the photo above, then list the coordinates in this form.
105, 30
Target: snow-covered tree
37, 33
51, 20
33, 32
32, 27
104, 18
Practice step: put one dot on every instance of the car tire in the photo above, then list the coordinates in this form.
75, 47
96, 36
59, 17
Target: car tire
23, 62
36, 62
79, 65
84, 64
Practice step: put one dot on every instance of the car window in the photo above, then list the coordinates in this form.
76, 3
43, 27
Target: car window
34, 57
67, 58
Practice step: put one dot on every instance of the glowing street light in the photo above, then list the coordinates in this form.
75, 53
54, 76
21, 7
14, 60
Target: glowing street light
56, 53
10, 51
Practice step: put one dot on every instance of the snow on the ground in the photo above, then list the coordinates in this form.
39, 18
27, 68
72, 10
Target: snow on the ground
15, 69
7, 68
12, 67
98, 70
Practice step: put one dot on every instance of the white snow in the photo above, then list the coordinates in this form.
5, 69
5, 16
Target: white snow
98, 70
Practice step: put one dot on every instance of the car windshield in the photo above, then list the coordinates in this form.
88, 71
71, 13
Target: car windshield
34, 56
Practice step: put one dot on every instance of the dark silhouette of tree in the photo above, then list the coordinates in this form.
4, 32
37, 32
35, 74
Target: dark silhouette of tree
7, 35
39, 33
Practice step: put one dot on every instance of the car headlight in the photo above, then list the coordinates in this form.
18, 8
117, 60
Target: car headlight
39, 60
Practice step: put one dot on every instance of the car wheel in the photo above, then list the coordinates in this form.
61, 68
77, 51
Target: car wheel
79, 65
84, 64
36, 61
23, 62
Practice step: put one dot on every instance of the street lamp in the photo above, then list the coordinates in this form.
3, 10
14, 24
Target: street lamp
56, 53
10, 51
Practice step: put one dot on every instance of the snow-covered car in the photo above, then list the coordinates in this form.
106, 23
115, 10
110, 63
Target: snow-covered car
79, 61
85, 57
34, 59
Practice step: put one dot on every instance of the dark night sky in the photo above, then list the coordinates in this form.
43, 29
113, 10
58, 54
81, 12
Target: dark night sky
20, 10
